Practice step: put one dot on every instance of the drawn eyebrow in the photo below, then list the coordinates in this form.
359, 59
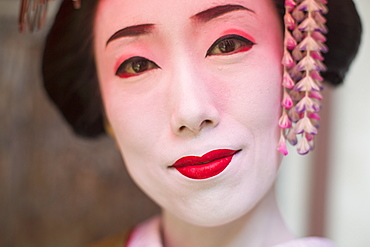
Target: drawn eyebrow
131, 31
204, 16
217, 11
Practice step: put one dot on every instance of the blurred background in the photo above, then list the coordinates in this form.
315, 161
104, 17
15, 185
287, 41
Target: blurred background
60, 190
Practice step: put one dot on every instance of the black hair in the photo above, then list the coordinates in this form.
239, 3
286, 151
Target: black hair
69, 71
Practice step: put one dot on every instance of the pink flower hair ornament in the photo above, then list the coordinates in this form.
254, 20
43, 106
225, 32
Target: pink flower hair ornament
304, 29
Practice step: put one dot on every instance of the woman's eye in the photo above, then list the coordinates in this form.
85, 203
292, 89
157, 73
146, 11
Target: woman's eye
135, 66
230, 44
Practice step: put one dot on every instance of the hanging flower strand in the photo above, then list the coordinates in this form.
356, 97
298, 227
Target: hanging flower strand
302, 62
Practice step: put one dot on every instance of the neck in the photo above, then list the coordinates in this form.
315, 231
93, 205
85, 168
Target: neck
261, 227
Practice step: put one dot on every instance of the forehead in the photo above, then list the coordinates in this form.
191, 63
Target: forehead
115, 14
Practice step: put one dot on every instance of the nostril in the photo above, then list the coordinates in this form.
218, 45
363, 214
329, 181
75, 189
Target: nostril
202, 124
206, 122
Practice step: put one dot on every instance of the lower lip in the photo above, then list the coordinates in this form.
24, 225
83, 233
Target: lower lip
207, 170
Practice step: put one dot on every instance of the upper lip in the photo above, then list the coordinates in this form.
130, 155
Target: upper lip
204, 159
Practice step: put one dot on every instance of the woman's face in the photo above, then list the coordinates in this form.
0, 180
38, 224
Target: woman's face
188, 78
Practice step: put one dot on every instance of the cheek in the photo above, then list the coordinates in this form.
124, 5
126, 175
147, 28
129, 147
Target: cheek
267, 75
257, 96
138, 120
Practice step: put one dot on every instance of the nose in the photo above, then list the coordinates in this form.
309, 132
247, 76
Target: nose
194, 104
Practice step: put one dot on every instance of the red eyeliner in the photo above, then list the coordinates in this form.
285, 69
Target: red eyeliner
239, 32
206, 166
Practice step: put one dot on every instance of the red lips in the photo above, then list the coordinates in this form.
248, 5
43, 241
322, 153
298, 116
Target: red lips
209, 165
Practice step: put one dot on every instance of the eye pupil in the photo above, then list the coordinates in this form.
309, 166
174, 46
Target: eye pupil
140, 66
227, 46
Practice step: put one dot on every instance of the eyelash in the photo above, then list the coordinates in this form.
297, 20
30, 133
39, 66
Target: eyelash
133, 66
244, 45
135, 63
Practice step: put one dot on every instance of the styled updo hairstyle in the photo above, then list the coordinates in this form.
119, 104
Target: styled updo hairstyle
69, 71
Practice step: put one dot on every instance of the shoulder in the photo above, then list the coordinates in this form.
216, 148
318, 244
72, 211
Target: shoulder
308, 242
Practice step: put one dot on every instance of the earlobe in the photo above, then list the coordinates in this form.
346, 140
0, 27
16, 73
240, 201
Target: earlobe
108, 129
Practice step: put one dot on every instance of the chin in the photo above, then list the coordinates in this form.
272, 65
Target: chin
214, 208
215, 218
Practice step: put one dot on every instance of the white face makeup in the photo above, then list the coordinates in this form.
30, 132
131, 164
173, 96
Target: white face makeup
184, 78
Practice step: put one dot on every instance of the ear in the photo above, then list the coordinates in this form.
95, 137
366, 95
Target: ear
108, 129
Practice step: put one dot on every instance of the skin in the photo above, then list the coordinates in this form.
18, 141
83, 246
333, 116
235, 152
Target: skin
190, 102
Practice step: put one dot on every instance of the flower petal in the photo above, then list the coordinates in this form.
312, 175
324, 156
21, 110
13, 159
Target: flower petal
297, 54
290, 4
307, 104
309, 25
309, 137
310, 5
292, 137
318, 36
316, 76
322, 27
305, 125
307, 84
284, 121
320, 85
308, 63
297, 34
287, 102
316, 106
289, 40
319, 17
287, 60
320, 66
289, 21
315, 95
315, 123
301, 105
287, 80
303, 146
310, 44
282, 145
293, 115
295, 73
314, 115
317, 55
298, 15
296, 95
